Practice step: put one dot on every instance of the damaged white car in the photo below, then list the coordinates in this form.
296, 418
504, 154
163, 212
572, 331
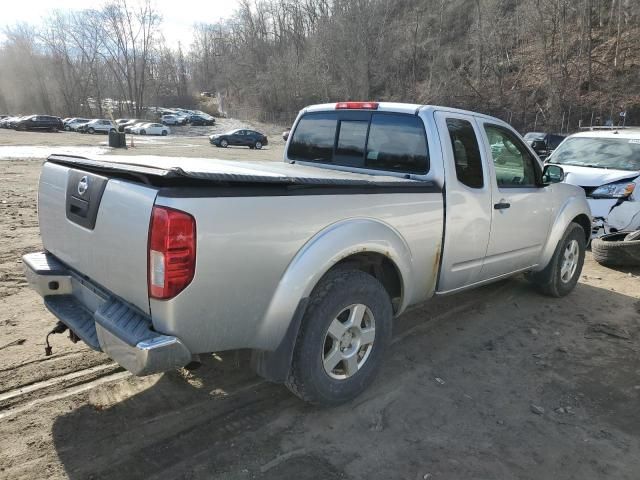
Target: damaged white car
606, 164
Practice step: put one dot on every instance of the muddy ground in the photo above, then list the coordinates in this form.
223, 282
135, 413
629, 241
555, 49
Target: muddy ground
494, 383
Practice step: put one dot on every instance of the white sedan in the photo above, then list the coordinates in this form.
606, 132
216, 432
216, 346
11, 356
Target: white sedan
150, 129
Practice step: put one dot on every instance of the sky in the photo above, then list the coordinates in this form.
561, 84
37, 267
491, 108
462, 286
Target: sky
178, 16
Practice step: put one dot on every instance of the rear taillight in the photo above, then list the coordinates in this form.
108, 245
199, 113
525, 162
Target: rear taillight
172, 252
357, 106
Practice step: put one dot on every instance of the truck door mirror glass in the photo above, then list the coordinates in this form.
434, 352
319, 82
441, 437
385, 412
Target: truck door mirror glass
552, 174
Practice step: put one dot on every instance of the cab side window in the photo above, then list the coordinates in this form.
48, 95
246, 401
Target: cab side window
466, 152
514, 165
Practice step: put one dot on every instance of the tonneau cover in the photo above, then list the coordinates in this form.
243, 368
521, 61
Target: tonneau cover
216, 170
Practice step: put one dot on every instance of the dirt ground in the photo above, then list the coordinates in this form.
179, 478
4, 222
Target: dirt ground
494, 383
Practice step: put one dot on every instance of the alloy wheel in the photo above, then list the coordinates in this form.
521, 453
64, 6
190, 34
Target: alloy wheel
570, 258
348, 341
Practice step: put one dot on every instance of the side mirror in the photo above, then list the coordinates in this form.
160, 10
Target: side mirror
552, 174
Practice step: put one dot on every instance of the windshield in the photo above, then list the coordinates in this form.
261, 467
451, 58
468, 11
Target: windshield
614, 153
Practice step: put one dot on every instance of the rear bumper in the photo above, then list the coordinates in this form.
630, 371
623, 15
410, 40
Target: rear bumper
101, 320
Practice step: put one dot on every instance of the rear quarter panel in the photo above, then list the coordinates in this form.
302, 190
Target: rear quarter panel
247, 244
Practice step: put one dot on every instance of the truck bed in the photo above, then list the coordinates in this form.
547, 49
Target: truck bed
249, 231
162, 171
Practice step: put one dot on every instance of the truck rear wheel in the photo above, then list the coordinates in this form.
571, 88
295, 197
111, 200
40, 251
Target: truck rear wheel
561, 275
342, 339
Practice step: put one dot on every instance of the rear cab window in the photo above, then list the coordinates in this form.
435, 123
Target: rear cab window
388, 141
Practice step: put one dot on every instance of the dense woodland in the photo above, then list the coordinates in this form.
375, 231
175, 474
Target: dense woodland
548, 63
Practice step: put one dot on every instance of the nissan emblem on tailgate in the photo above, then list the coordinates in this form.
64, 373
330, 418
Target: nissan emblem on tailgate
83, 185
84, 193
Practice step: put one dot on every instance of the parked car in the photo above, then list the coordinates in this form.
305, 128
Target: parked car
305, 262
200, 120
73, 123
4, 122
174, 119
97, 126
606, 164
239, 137
150, 129
13, 121
126, 126
543, 143
39, 122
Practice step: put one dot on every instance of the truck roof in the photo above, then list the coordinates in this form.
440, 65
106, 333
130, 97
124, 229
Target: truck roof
402, 108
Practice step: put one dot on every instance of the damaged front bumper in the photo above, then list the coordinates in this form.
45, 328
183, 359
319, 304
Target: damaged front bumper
101, 320
611, 215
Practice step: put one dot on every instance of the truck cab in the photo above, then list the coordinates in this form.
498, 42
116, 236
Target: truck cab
499, 209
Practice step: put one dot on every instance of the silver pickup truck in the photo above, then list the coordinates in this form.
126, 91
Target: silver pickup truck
376, 207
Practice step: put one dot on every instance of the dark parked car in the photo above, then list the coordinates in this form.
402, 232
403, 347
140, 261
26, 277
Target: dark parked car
543, 143
4, 121
9, 122
242, 137
39, 122
200, 120
73, 123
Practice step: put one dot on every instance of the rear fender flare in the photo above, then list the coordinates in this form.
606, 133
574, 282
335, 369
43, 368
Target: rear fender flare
278, 330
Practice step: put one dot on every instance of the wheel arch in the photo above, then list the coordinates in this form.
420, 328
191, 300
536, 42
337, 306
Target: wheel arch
574, 209
363, 244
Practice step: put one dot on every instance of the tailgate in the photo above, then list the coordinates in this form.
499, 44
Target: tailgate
99, 227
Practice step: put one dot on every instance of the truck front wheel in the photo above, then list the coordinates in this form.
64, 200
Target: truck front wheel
342, 338
563, 271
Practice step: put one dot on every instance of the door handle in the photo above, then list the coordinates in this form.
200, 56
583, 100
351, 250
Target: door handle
501, 205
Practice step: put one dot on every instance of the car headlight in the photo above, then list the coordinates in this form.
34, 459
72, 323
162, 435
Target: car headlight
614, 190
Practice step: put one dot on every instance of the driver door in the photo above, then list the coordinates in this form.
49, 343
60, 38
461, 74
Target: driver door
521, 208
237, 138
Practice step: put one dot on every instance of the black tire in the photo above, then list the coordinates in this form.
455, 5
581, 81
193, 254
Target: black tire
67, 128
143, 132
257, 145
339, 290
224, 143
91, 130
632, 236
164, 133
615, 250
549, 281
